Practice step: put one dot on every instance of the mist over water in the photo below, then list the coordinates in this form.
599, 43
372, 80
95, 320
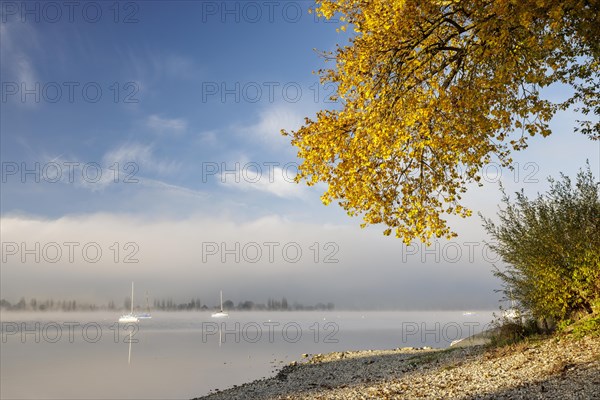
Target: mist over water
186, 354
171, 173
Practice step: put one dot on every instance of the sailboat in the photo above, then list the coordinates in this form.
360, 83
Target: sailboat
512, 314
128, 318
145, 315
220, 314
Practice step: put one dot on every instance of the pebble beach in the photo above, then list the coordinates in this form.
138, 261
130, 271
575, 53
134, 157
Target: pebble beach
552, 368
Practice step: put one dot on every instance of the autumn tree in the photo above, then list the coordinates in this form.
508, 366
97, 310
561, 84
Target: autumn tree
431, 91
551, 247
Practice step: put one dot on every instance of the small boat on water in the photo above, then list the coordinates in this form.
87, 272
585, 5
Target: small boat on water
220, 314
129, 318
513, 314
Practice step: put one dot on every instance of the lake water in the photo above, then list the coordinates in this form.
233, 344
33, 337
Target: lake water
186, 354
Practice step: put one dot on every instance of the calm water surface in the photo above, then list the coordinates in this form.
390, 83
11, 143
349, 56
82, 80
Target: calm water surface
187, 354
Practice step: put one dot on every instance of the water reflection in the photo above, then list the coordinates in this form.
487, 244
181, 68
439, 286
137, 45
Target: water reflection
74, 355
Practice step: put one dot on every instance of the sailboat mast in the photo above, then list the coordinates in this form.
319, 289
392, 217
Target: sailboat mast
221, 301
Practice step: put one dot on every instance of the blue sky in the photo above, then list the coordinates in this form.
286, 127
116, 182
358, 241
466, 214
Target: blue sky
189, 89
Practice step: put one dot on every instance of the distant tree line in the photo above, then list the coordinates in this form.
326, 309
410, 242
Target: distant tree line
277, 305
162, 305
170, 305
49, 305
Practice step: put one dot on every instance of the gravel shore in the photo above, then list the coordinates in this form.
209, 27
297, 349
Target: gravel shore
555, 368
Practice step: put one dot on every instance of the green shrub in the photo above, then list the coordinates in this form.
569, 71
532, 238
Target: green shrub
551, 245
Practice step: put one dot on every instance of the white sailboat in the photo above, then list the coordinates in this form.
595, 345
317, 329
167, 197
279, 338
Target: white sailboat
512, 314
220, 314
147, 314
129, 318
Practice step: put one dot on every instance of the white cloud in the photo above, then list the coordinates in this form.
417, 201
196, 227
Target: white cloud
126, 163
152, 68
164, 186
262, 178
26, 73
143, 156
17, 41
166, 126
208, 138
271, 121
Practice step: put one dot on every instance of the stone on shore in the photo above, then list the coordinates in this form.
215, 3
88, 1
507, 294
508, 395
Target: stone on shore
554, 368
